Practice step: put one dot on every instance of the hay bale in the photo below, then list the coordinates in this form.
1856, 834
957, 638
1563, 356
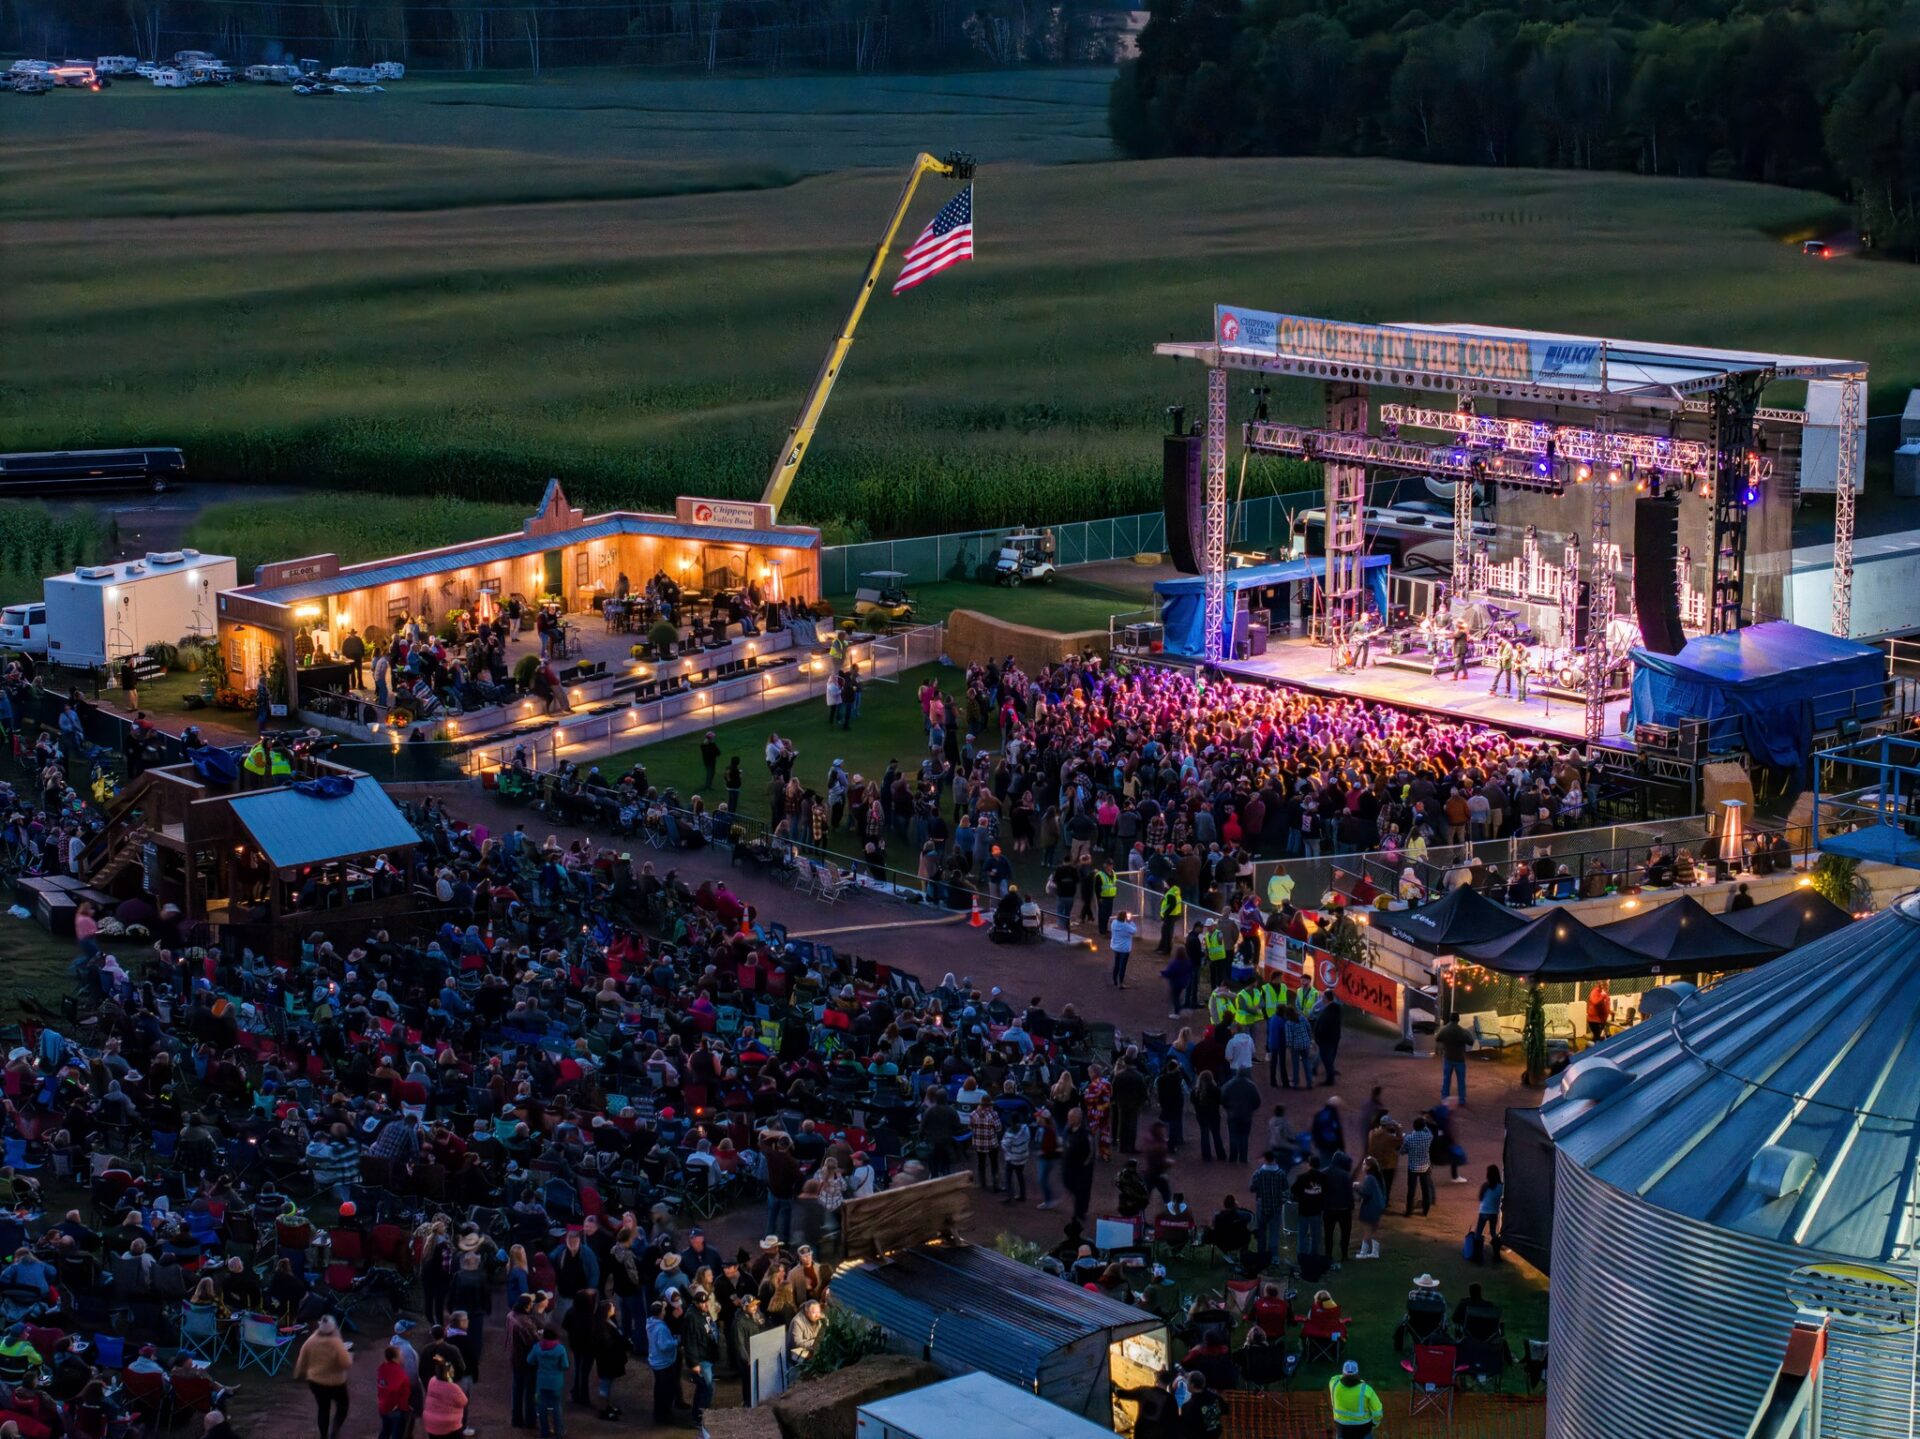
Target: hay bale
743, 1423
826, 1408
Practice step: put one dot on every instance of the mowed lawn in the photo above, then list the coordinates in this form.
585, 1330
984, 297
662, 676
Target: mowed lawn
629, 283
1068, 603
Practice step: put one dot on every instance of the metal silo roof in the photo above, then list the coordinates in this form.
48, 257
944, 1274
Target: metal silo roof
1813, 1058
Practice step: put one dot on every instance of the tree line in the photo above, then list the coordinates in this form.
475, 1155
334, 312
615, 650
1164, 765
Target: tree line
1823, 94
858, 35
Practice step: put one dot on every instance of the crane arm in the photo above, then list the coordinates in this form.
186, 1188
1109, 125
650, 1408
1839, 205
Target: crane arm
801, 435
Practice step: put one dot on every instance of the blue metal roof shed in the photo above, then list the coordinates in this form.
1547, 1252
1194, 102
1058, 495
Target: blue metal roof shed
293, 829
969, 1309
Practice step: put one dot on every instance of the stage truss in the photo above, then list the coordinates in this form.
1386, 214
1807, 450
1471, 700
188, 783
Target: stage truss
1609, 378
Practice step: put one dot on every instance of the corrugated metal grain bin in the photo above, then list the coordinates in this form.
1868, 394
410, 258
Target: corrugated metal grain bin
1722, 1166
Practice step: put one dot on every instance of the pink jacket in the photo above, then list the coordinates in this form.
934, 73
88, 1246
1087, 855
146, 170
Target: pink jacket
446, 1407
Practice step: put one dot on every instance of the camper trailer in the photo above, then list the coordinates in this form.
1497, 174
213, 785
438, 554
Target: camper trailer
352, 75
99, 613
168, 78
271, 74
117, 64
389, 70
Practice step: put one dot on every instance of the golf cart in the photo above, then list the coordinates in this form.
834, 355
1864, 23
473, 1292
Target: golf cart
880, 597
1025, 557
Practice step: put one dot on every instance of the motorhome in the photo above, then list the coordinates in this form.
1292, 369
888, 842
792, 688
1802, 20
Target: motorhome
352, 75
117, 64
168, 78
272, 74
389, 70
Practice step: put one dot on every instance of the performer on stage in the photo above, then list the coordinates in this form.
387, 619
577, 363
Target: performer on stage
1363, 641
1462, 645
1504, 660
1522, 664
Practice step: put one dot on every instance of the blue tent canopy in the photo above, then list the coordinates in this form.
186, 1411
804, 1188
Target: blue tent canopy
1183, 604
1766, 688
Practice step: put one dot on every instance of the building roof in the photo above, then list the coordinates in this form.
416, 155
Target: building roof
293, 828
1783, 1103
991, 1405
123, 572
975, 1308
512, 547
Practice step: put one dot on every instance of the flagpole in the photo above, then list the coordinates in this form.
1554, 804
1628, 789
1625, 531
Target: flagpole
787, 466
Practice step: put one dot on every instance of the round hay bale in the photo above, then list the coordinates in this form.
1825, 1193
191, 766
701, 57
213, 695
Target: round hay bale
1147, 557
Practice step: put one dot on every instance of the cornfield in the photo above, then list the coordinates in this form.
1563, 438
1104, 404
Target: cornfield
287, 524
35, 542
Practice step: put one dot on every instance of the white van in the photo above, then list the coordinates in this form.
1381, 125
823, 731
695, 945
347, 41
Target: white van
24, 627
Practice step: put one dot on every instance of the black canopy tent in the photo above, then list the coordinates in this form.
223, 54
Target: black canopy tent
1800, 916
1459, 917
1681, 936
1558, 946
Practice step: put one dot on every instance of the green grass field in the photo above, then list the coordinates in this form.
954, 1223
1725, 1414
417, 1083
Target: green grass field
629, 282
1069, 603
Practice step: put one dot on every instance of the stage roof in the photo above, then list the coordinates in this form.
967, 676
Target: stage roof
1536, 364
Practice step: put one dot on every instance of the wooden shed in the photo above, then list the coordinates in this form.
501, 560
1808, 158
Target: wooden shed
971, 1310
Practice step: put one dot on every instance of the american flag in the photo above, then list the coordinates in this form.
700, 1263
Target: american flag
947, 241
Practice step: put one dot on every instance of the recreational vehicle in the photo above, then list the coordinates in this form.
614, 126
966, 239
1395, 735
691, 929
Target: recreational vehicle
117, 64
389, 70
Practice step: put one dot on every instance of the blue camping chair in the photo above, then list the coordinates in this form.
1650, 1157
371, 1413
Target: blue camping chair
200, 1332
263, 1345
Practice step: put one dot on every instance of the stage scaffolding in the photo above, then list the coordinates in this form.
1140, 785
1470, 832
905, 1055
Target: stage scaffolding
1631, 389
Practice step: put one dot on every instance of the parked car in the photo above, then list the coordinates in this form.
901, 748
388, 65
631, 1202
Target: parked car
61, 472
24, 628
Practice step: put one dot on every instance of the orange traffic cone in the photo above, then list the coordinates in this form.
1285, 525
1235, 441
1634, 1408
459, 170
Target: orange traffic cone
976, 920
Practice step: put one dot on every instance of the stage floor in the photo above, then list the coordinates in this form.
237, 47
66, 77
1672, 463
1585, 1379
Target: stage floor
1298, 661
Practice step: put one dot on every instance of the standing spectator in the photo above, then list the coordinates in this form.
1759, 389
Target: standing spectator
1180, 974
1337, 1217
1453, 1039
393, 1395
1016, 1143
1240, 1098
1129, 1099
709, 758
1206, 1115
550, 1363
611, 1350
325, 1364
984, 1126
1172, 907
1076, 1164
1492, 1191
1328, 1016
1270, 1194
1170, 1093
1370, 1203
353, 649
1417, 1146
446, 1406
663, 1358
523, 1335
1047, 1136
1309, 1200
1120, 936
1329, 1134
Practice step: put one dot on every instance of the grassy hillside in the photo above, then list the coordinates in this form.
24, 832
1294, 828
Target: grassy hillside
553, 297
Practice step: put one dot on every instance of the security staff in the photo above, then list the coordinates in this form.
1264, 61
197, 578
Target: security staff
1214, 945
1356, 1408
1172, 906
1220, 1007
257, 761
1107, 888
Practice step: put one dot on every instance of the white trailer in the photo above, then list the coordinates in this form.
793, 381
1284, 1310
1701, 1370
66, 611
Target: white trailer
103, 612
972, 1404
352, 75
389, 70
168, 78
117, 64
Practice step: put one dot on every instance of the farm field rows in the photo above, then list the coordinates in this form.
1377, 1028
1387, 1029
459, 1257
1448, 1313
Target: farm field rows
204, 269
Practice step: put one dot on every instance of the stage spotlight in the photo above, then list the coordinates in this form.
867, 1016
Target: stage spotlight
1585, 473
1750, 495
1706, 490
1543, 468
1613, 475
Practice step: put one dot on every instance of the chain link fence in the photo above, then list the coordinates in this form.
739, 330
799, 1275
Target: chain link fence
1259, 523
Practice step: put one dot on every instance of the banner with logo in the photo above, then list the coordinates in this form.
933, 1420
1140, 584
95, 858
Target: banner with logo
1511, 359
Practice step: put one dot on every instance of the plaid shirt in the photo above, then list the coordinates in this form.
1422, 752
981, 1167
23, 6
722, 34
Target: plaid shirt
1270, 1188
985, 1125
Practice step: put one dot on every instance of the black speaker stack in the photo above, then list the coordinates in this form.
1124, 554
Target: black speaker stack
1656, 575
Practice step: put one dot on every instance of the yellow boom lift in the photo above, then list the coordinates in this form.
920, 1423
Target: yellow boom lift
954, 167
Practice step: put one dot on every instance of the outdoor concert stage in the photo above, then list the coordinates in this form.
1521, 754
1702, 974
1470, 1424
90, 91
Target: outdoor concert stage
1305, 665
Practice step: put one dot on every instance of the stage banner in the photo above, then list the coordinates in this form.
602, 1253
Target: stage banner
1405, 347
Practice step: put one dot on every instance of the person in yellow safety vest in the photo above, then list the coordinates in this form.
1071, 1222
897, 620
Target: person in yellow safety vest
1246, 1007
1271, 998
1106, 885
281, 761
1172, 906
1307, 999
1356, 1408
257, 761
1220, 1006
1214, 945
837, 653
1279, 889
